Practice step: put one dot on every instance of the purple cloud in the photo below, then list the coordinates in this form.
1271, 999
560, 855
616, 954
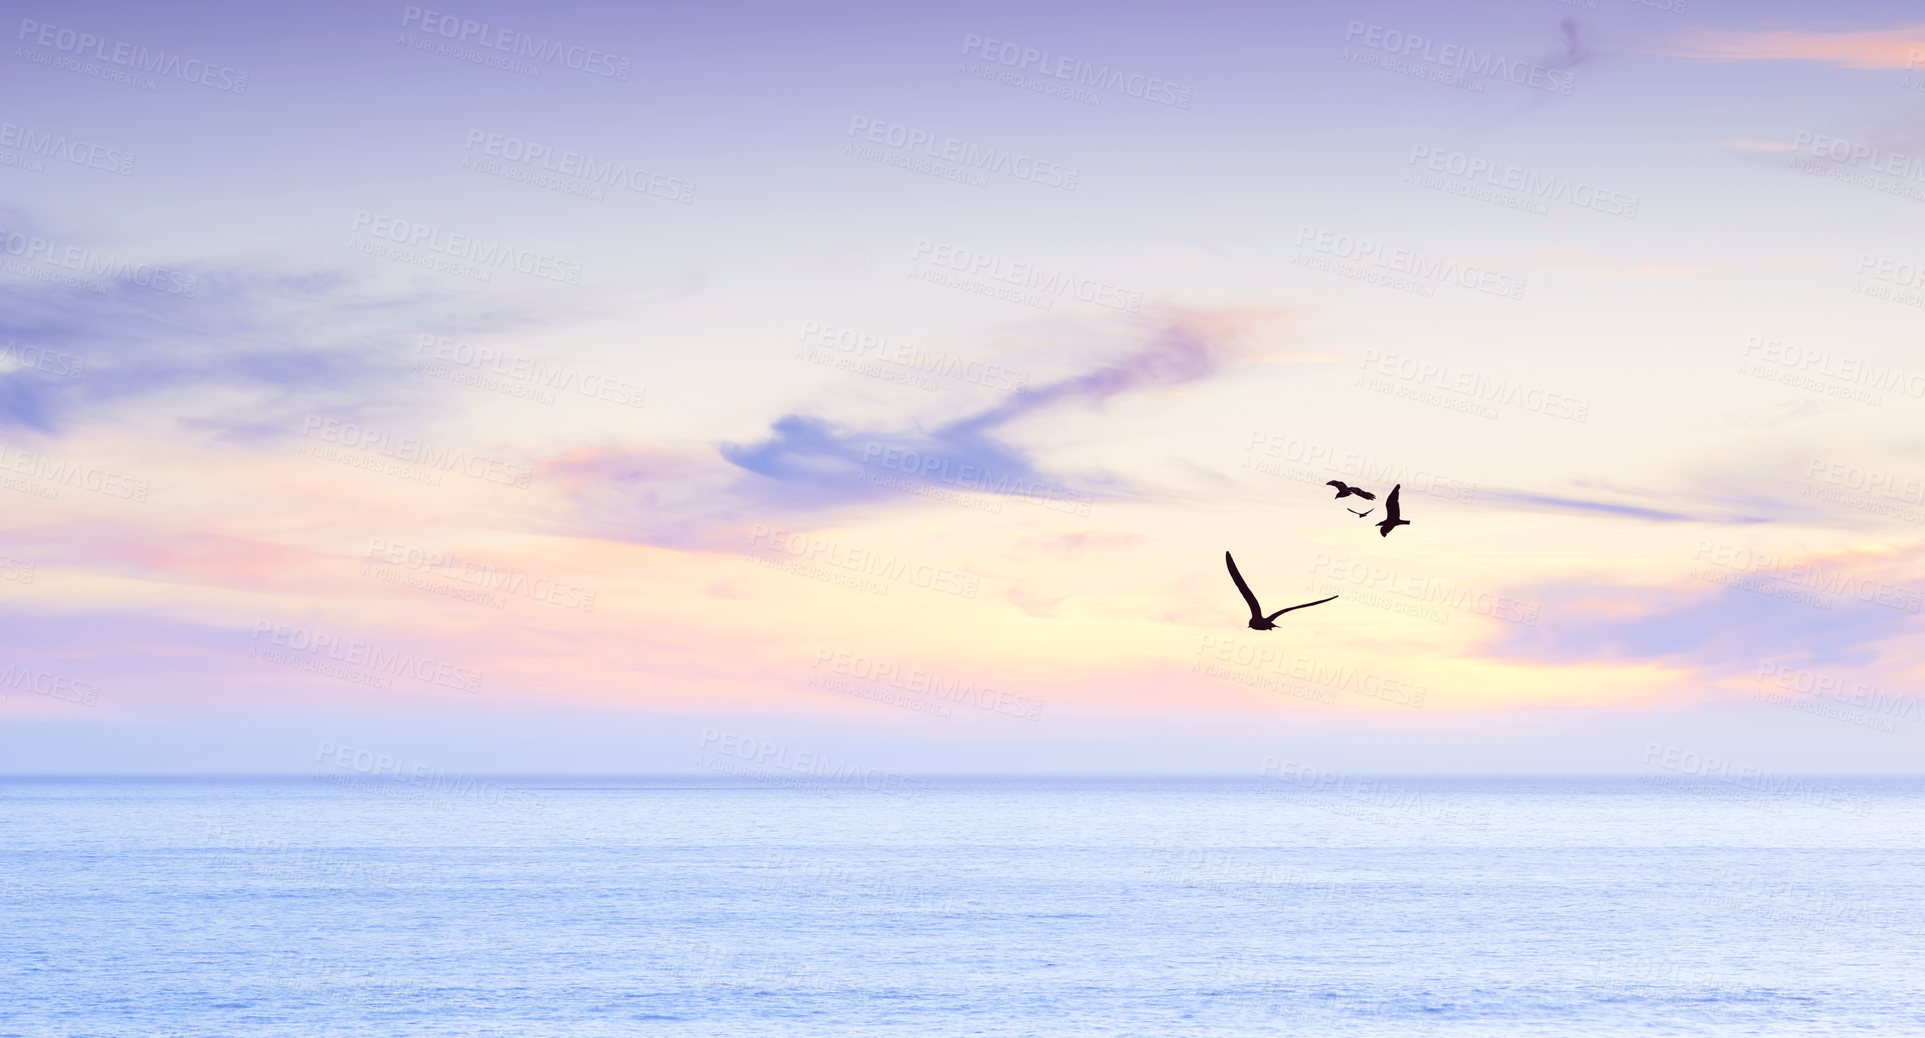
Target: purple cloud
1725, 630
1554, 503
287, 341
811, 464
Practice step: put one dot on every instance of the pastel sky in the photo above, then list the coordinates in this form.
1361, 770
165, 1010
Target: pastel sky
572, 388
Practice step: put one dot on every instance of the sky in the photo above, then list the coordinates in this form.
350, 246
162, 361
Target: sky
691, 388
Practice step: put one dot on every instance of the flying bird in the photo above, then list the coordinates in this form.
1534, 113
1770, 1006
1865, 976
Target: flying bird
1258, 621
1393, 516
1361, 514
1345, 490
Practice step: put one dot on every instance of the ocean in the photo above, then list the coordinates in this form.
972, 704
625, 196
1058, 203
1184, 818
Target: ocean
1306, 904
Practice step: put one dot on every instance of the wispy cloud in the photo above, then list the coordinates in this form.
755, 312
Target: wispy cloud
1575, 51
268, 336
1554, 503
809, 463
1838, 610
261, 343
1874, 49
812, 461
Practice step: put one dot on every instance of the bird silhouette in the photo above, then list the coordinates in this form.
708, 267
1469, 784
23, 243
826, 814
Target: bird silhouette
1345, 490
1361, 514
1393, 516
1258, 621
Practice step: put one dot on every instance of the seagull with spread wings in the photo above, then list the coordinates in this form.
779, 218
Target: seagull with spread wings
1258, 621
1346, 490
1393, 515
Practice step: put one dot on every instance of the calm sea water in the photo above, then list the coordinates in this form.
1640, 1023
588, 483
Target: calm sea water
670, 907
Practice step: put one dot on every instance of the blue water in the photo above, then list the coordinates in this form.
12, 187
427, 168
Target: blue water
687, 907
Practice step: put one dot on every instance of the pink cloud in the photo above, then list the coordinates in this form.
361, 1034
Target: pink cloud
1878, 49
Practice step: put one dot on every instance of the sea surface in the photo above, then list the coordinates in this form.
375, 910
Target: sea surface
347, 905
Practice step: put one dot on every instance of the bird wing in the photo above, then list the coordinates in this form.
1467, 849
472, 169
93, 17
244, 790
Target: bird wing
1365, 494
1391, 506
1341, 489
1306, 605
1255, 610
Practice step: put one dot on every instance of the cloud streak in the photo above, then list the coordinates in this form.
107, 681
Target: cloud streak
1833, 611
266, 343
812, 461
812, 464
1876, 49
1553, 503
